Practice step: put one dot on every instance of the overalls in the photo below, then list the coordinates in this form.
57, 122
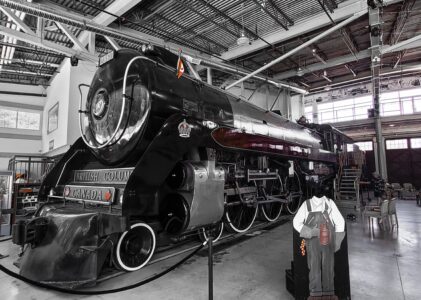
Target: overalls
320, 253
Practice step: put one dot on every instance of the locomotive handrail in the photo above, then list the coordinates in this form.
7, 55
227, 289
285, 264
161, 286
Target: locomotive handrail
120, 119
80, 113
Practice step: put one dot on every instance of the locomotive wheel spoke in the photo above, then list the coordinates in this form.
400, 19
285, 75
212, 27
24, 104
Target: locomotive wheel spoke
295, 194
239, 218
272, 210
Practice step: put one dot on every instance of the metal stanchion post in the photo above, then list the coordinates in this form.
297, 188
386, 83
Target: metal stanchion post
210, 266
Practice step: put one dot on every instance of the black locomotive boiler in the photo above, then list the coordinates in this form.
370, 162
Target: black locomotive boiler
160, 156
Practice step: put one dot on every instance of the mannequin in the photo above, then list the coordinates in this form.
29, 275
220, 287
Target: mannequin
322, 228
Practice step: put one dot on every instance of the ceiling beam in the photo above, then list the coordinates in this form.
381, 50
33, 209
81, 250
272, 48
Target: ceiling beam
281, 12
185, 29
113, 43
262, 6
118, 8
232, 21
156, 11
33, 50
32, 62
411, 43
76, 20
238, 14
77, 44
34, 40
19, 23
400, 21
345, 34
302, 46
210, 20
344, 10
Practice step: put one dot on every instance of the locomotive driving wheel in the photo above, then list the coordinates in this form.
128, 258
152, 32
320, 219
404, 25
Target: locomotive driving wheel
294, 193
240, 212
215, 232
135, 247
274, 190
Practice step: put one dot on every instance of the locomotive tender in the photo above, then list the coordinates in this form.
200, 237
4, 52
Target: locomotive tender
162, 156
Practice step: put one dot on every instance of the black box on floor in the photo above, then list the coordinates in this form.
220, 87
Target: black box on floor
297, 277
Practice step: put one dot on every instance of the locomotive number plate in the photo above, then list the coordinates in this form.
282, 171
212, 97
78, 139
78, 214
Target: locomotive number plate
95, 194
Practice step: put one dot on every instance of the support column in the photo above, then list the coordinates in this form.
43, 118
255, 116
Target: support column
315, 113
376, 43
288, 105
209, 75
267, 96
302, 107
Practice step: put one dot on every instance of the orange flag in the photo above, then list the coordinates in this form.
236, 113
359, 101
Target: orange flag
180, 66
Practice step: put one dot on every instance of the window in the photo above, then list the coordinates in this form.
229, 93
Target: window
397, 103
343, 110
364, 146
28, 120
308, 113
417, 104
19, 119
400, 103
8, 118
390, 107
416, 143
397, 144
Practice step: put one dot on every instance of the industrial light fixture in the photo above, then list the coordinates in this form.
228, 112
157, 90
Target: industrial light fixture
243, 39
376, 59
300, 71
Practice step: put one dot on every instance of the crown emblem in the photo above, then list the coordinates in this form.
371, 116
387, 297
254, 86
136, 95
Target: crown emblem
184, 129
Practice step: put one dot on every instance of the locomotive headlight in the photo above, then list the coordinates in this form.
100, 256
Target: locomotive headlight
100, 103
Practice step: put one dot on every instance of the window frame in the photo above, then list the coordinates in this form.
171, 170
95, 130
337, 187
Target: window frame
20, 111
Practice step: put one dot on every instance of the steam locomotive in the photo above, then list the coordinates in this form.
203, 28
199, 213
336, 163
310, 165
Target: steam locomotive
164, 156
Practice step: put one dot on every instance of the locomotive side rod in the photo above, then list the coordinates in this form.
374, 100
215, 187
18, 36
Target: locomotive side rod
223, 240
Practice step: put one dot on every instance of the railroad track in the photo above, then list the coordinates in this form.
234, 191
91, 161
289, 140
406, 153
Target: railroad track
189, 245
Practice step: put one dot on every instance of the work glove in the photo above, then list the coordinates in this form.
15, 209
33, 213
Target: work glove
339, 237
309, 232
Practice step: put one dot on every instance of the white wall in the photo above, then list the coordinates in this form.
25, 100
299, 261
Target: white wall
17, 141
64, 89
83, 73
297, 107
58, 91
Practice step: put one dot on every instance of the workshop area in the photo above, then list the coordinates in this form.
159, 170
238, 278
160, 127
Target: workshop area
209, 149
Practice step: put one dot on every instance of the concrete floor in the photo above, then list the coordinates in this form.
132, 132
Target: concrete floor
382, 266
